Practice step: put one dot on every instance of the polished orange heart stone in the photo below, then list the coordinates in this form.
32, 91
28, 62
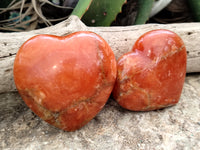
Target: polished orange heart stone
66, 80
152, 75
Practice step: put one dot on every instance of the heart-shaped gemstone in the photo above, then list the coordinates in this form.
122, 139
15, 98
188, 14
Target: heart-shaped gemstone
152, 75
66, 80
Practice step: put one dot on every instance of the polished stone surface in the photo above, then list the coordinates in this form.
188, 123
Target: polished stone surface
152, 75
65, 80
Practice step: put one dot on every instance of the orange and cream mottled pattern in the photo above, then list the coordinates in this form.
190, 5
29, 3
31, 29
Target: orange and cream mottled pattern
65, 80
152, 75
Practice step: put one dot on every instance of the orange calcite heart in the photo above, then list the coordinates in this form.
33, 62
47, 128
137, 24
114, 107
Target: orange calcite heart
152, 75
66, 80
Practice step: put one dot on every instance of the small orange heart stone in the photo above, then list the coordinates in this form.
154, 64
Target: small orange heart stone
152, 75
66, 80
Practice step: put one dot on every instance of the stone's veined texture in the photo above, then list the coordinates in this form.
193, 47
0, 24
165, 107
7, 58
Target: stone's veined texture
152, 75
65, 80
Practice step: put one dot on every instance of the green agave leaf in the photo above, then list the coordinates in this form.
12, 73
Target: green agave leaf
102, 12
195, 8
81, 7
144, 11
